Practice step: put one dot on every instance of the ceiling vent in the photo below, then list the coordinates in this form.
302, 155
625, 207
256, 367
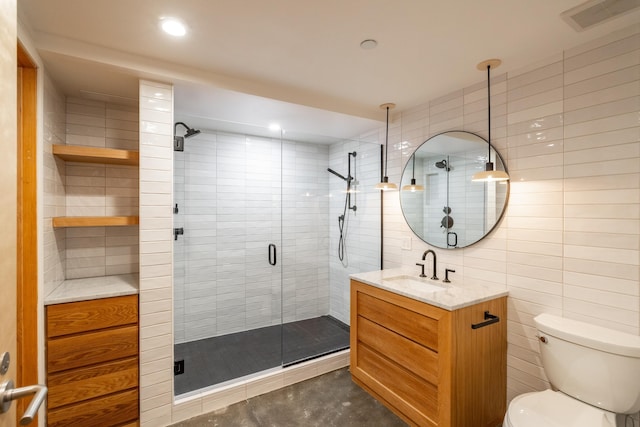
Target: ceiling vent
595, 12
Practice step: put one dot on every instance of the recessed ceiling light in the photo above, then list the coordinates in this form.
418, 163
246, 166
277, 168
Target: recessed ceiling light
368, 44
274, 127
173, 26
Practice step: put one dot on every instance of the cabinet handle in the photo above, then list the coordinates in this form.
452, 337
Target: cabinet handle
489, 320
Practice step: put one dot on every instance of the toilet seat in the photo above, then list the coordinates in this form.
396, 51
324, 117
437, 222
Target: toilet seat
554, 409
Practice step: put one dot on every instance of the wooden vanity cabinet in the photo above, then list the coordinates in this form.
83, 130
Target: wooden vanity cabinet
92, 362
427, 364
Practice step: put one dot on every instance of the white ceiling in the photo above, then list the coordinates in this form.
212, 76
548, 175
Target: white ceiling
246, 63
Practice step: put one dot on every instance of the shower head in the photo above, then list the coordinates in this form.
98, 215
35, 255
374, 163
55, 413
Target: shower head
190, 131
442, 164
178, 141
337, 174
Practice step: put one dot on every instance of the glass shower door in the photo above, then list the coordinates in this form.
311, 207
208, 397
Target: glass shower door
227, 280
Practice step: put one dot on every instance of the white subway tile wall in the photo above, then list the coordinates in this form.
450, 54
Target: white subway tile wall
361, 230
82, 189
54, 240
100, 190
156, 253
569, 129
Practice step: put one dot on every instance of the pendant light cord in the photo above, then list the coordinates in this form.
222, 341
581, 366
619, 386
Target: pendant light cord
413, 170
386, 145
489, 105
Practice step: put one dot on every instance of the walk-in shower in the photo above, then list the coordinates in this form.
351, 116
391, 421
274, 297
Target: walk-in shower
258, 284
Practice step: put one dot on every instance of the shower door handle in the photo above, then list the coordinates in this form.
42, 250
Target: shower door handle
272, 254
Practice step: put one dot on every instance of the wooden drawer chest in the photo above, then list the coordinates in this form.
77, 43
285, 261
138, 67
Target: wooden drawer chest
92, 362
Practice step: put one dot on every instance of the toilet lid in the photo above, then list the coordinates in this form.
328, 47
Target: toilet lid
554, 409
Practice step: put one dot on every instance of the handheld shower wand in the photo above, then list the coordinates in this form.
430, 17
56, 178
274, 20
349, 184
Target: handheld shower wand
347, 204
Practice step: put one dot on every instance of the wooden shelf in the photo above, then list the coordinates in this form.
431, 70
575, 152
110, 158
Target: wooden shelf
112, 156
94, 221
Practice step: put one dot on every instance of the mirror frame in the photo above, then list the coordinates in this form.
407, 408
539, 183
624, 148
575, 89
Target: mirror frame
497, 159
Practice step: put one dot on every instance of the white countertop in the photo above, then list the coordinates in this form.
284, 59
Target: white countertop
93, 288
406, 282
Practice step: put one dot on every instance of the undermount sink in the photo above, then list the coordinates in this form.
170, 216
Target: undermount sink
415, 283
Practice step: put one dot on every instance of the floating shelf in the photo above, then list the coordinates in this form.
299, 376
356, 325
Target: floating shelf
94, 221
112, 156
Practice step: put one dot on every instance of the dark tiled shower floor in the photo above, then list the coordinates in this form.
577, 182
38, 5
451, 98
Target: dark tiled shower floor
215, 360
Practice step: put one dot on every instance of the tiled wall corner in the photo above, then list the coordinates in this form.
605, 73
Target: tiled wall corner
362, 227
156, 253
93, 189
54, 240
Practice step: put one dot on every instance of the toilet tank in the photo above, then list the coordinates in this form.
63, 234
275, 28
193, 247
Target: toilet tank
596, 365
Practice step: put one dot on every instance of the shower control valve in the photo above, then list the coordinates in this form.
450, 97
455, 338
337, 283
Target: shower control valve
176, 232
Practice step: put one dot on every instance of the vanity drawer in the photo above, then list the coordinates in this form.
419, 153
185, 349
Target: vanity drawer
87, 383
95, 347
384, 309
399, 349
84, 316
413, 396
112, 410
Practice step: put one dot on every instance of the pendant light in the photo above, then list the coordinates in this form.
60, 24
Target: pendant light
385, 185
413, 187
488, 174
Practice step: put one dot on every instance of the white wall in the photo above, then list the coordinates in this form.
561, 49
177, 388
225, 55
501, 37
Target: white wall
156, 253
54, 240
570, 241
100, 190
86, 189
362, 227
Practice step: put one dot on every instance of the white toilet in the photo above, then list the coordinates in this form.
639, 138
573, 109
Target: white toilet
595, 370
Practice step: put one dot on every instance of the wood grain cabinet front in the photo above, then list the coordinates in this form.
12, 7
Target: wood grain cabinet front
92, 363
427, 364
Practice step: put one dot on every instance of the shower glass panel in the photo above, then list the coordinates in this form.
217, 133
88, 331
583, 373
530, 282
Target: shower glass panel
257, 279
228, 305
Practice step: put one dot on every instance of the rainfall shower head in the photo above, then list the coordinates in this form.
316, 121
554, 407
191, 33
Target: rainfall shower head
442, 164
178, 141
190, 131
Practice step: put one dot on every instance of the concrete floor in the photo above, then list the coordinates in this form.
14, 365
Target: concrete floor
328, 400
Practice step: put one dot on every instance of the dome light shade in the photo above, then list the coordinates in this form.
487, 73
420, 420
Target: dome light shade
489, 175
385, 185
413, 187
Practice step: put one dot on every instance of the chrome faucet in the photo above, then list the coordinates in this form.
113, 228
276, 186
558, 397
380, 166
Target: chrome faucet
424, 257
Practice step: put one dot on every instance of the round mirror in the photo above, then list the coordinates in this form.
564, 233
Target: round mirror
440, 202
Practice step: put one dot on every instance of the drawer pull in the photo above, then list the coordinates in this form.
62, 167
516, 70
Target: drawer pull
489, 320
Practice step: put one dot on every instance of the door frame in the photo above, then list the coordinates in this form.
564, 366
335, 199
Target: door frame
27, 221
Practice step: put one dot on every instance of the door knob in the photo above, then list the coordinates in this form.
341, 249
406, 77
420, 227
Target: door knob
8, 393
